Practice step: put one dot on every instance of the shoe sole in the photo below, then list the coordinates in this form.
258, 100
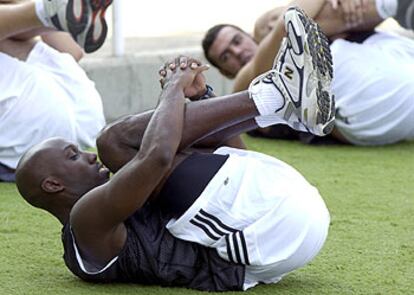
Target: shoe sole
98, 29
76, 17
316, 46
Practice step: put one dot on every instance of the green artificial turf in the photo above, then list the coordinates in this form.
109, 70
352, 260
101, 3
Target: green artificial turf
370, 247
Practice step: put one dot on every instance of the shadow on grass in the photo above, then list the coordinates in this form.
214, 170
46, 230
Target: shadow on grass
292, 284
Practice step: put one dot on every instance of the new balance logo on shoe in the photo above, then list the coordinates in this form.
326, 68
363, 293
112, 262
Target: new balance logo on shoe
289, 73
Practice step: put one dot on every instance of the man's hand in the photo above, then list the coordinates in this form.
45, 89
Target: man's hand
353, 10
198, 85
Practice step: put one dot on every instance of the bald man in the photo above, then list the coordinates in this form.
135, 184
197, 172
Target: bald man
182, 209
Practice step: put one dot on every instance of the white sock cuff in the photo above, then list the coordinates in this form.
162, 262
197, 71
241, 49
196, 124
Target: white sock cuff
269, 120
41, 13
386, 8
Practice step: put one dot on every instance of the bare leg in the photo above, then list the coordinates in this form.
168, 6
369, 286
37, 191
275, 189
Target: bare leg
207, 122
18, 18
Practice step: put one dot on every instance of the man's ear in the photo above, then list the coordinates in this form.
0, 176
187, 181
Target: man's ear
52, 185
227, 74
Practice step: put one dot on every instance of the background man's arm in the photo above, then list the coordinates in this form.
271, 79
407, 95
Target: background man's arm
63, 42
266, 22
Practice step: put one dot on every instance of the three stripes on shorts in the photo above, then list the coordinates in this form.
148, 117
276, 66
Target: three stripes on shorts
215, 229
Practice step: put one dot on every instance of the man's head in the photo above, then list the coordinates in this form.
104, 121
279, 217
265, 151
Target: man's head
55, 174
228, 48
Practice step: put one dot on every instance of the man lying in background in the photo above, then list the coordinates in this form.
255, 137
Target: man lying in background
372, 71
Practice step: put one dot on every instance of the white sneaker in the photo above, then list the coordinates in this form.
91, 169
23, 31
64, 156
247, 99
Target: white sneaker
302, 73
83, 19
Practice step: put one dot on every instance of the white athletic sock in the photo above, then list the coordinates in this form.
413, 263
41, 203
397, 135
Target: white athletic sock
41, 13
266, 97
386, 8
270, 103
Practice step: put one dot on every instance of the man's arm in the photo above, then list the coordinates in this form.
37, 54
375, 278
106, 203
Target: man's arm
266, 22
63, 42
97, 218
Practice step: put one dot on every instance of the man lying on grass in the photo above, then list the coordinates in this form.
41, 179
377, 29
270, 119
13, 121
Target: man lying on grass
373, 70
174, 214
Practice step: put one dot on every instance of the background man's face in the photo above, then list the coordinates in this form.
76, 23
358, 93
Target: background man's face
231, 50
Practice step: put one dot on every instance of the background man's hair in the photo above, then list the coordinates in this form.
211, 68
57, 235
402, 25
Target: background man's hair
211, 36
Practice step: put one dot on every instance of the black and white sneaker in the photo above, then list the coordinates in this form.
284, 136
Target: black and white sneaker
302, 73
83, 19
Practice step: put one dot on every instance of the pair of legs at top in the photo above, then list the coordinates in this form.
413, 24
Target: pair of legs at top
83, 20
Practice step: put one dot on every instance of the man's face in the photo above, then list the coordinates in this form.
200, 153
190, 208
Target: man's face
231, 50
79, 171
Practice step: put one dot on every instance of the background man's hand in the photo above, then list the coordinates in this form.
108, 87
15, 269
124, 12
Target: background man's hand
353, 10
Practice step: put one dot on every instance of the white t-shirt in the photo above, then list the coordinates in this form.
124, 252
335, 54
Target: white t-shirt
374, 88
48, 95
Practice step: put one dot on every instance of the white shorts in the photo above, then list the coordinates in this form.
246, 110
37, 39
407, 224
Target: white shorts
48, 95
260, 212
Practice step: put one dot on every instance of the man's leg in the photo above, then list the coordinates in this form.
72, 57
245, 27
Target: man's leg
18, 18
210, 121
